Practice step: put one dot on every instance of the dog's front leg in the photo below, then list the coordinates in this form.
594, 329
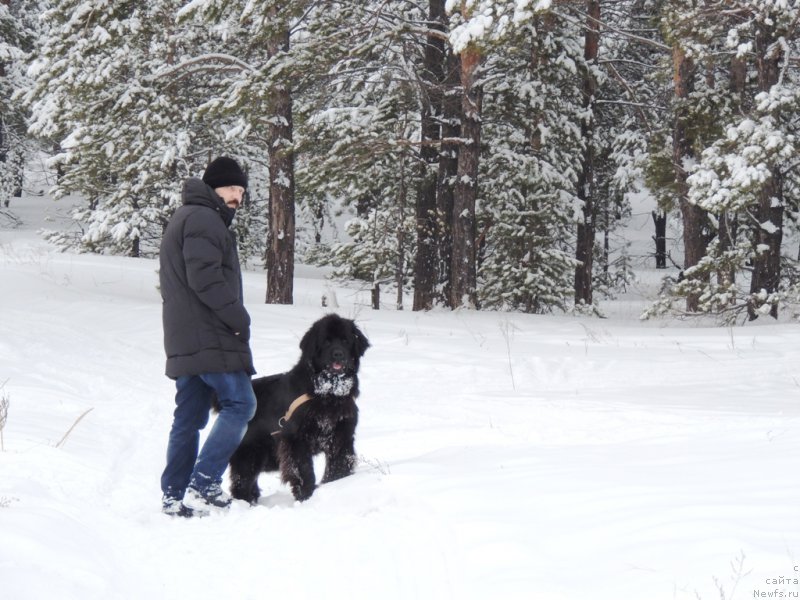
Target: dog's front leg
338, 466
297, 468
340, 459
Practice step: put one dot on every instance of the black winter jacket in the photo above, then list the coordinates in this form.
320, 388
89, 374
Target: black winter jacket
206, 327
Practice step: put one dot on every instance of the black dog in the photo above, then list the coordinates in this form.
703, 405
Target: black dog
309, 410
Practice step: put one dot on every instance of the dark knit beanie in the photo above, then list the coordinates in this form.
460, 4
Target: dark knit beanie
224, 171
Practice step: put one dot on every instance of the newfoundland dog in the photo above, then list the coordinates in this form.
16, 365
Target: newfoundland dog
309, 410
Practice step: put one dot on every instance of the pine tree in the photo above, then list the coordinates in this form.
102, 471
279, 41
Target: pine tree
263, 102
359, 127
464, 285
745, 175
432, 105
365, 158
625, 111
18, 26
587, 184
530, 168
585, 95
485, 155
447, 174
115, 90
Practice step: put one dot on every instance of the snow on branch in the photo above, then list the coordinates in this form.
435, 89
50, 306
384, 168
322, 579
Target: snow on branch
203, 63
490, 19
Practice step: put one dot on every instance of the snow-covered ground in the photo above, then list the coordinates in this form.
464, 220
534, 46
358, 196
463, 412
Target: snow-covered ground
501, 455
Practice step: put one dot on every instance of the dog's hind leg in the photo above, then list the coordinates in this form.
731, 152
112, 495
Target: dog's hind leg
245, 488
245, 467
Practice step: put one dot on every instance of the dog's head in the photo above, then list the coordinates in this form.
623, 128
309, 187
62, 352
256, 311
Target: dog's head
333, 347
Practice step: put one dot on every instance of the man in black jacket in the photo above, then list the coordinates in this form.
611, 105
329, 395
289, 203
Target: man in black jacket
206, 338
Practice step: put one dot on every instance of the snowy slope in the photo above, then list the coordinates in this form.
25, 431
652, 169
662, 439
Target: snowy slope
501, 456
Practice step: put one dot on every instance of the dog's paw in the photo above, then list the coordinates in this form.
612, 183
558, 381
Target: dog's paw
302, 493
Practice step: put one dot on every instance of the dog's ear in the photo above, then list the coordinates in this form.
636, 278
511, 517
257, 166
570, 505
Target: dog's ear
361, 342
308, 345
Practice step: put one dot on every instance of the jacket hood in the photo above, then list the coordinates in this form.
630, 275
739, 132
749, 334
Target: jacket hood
198, 193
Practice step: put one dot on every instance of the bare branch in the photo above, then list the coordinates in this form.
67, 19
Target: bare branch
632, 94
605, 26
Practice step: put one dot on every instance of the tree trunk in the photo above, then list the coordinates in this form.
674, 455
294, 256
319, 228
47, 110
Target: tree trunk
20, 180
448, 170
586, 184
660, 221
281, 235
769, 237
136, 243
3, 152
425, 264
399, 271
695, 236
464, 275
375, 296
6, 150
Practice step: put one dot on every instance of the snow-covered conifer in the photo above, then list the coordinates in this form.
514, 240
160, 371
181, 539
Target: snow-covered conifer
18, 28
745, 174
113, 93
358, 128
529, 171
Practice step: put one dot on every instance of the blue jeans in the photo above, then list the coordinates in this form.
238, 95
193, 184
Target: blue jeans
237, 404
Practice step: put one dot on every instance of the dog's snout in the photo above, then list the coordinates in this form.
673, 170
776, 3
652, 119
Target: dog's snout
338, 354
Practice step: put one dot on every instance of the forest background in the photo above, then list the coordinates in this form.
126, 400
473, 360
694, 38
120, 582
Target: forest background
485, 152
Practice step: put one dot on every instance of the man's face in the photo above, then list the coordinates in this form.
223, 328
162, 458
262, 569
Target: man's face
231, 194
